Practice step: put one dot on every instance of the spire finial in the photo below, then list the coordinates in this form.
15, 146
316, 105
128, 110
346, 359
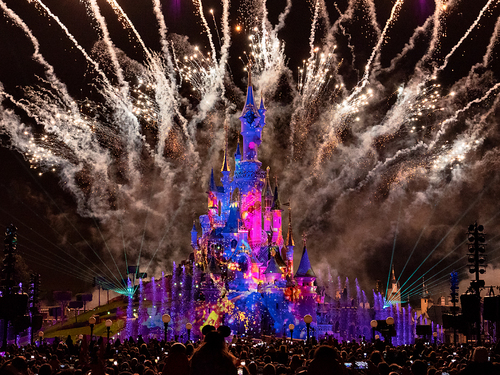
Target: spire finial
249, 69
304, 238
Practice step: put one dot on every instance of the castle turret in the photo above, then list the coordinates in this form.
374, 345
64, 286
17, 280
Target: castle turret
237, 154
213, 204
273, 271
425, 300
276, 214
251, 123
394, 295
305, 275
290, 244
194, 236
225, 170
248, 175
305, 278
268, 203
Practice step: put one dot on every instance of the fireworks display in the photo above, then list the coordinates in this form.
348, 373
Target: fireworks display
382, 133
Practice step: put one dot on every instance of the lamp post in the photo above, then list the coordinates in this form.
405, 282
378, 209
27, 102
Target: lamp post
374, 325
291, 327
308, 320
108, 323
390, 323
188, 328
435, 335
165, 318
92, 321
40, 336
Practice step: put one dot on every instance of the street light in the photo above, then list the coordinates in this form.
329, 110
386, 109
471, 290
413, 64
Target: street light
108, 323
374, 325
308, 320
291, 327
165, 318
188, 328
40, 336
92, 321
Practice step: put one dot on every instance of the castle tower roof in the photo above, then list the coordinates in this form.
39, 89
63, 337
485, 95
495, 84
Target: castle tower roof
212, 186
268, 191
276, 201
272, 267
425, 291
250, 101
232, 224
237, 154
289, 234
225, 164
305, 269
393, 277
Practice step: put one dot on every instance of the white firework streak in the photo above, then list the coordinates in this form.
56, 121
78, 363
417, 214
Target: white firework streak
462, 39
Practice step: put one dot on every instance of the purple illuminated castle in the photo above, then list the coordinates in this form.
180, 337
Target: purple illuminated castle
241, 272
241, 253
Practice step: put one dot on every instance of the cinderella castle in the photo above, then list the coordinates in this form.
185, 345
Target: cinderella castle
241, 270
241, 252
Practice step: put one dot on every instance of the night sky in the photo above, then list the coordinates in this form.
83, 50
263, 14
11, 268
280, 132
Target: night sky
368, 183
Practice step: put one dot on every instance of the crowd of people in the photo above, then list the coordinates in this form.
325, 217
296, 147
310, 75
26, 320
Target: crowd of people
216, 354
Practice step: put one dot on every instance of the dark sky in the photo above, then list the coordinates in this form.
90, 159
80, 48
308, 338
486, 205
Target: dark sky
350, 206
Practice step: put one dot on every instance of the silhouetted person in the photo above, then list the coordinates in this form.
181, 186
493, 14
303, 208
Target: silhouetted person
480, 364
326, 361
177, 362
213, 358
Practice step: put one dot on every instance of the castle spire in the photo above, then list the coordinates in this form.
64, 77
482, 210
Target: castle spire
225, 164
250, 101
237, 154
212, 187
289, 235
268, 191
305, 270
276, 201
249, 68
425, 292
